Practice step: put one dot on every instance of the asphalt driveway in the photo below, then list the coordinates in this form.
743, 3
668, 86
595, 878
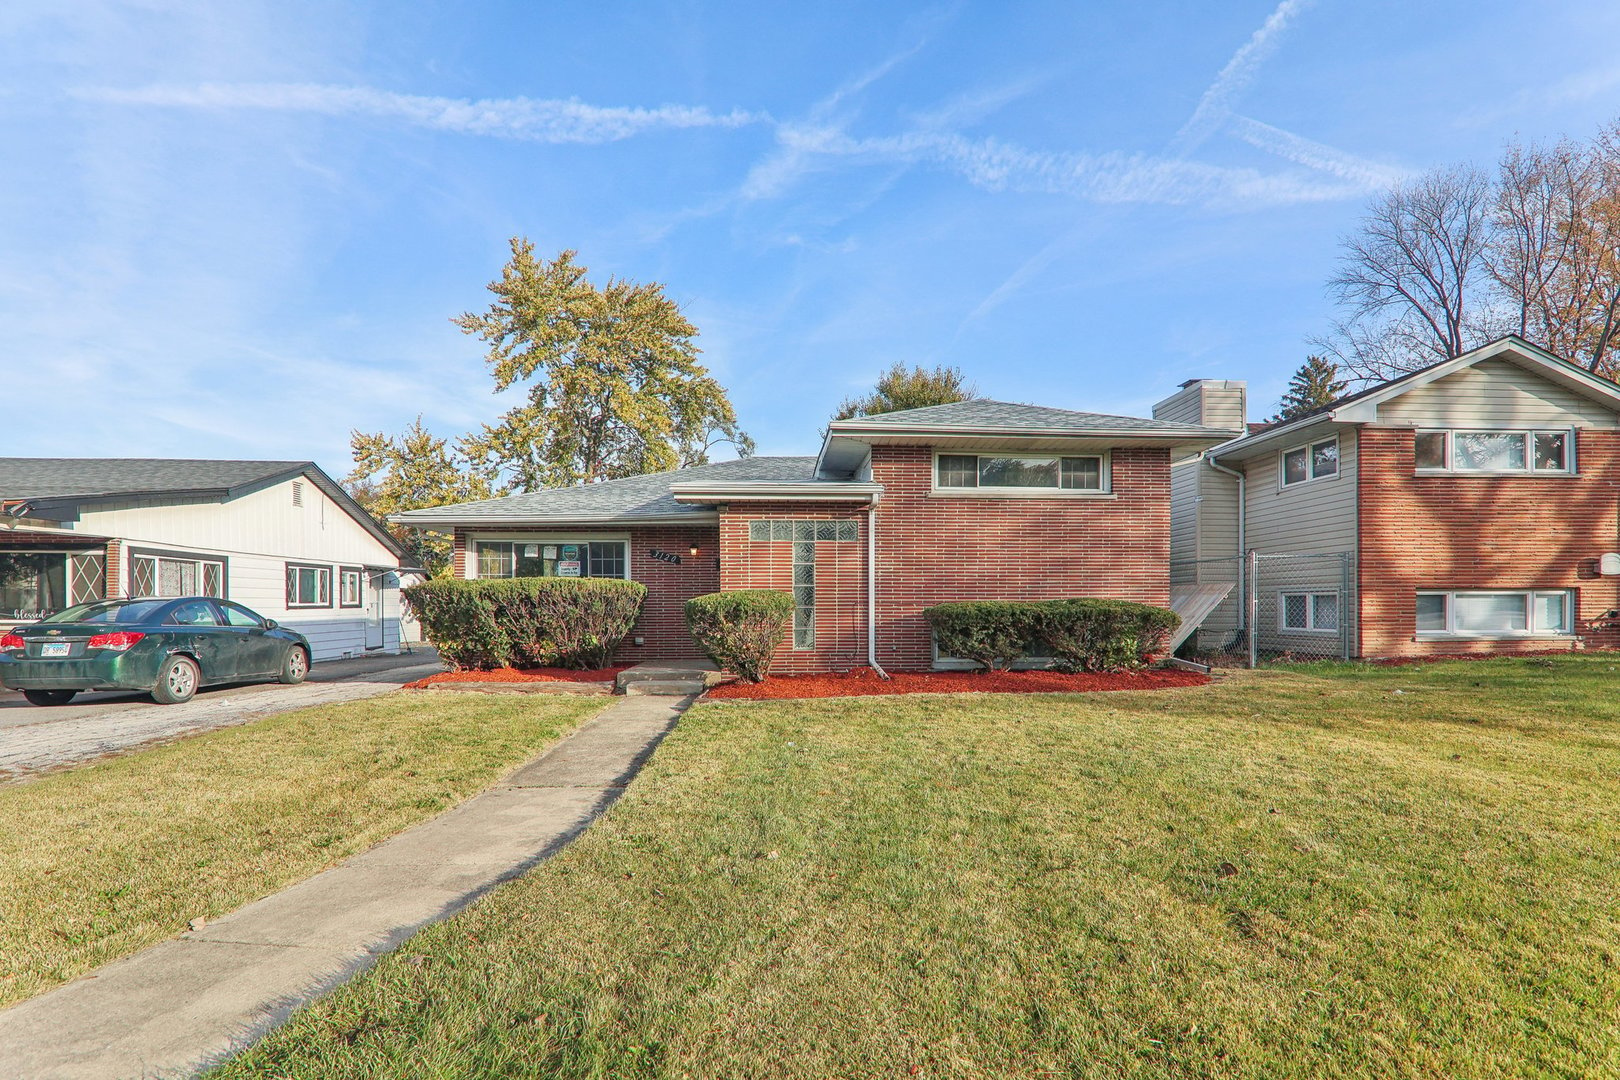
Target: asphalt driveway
34, 739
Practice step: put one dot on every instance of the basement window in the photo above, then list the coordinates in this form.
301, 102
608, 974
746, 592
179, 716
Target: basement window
1309, 612
1496, 613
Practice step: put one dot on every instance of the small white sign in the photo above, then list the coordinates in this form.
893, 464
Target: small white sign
551, 551
531, 551
568, 568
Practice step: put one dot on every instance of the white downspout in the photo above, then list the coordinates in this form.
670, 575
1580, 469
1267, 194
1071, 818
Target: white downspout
871, 591
1242, 550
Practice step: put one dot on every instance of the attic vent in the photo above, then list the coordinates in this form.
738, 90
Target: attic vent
298, 493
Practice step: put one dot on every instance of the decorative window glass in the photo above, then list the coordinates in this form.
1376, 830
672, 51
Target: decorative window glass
1311, 462
349, 587
166, 576
803, 530
553, 558
1309, 611
804, 535
88, 578
309, 586
1020, 472
1495, 613
33, 584
1493, 452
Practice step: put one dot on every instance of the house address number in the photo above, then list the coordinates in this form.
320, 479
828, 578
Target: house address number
665, 556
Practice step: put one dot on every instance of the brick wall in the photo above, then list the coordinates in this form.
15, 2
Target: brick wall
933, 549
663, 619
662, 625
1461, 532
840, 579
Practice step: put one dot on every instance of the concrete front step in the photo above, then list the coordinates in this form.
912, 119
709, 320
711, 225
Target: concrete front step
662, 687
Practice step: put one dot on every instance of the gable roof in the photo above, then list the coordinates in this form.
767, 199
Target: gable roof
633, 500
1007, 424
56, 488
1362, 406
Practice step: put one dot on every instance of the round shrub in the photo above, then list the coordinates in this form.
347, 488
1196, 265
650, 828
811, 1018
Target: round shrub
740, 630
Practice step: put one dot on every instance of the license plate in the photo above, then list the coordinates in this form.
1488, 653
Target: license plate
55, 648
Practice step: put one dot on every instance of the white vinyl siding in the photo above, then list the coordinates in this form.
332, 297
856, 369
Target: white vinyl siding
1494, 394
1310, 518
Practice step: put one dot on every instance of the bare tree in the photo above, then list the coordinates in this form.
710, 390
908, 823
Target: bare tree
1411, 276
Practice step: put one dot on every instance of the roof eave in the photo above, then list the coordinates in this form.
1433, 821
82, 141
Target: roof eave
539, 521
768, 491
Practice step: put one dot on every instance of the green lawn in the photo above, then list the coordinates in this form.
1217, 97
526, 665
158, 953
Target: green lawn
104, 860
1329, 872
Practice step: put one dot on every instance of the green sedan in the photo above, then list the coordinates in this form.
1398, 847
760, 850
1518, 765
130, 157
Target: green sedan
167, 647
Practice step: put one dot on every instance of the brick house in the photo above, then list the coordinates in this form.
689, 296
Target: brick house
974, 500
1473, 502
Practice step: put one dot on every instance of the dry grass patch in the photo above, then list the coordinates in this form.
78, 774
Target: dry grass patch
104, 860
1331, 872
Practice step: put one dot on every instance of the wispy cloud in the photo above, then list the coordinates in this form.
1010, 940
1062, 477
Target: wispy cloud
1580, 87
1315, 155
1218, 100
537, 119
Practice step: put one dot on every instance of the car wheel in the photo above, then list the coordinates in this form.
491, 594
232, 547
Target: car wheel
177, 681
296, 667
49, 697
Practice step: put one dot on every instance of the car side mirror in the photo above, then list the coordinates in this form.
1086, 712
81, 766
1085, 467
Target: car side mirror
269, 624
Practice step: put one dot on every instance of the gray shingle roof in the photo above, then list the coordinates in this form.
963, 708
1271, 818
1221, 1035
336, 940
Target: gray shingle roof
46, 478
633, 497
68, 482
1011, 416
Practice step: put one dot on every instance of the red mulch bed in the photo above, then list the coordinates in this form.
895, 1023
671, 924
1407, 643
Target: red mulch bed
514, 675
864, 682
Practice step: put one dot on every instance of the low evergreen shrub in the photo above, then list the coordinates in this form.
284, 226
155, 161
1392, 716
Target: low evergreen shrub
740, 630
1083, 634
526, 622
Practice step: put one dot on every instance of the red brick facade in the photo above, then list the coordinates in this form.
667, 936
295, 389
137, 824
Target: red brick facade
840, 579
1481, 532
662, 626
935, 548
931, 548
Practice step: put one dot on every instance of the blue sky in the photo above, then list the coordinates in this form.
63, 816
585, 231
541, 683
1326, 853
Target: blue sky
241, 229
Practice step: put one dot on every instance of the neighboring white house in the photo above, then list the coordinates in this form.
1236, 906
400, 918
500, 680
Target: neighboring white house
278, 536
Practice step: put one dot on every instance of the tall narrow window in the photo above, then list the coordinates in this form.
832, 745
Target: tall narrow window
804, 594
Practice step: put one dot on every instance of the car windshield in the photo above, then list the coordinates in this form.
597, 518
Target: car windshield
108, 611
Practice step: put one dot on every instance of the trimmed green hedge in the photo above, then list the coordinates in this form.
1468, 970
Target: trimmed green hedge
526, 622
1082, 634
740, 630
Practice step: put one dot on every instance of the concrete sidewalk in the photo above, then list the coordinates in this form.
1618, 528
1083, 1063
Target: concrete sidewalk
185, 1004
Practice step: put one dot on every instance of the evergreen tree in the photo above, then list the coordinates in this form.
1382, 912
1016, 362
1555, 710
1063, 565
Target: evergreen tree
1314, 386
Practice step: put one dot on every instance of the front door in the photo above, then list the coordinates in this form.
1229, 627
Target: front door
371, 586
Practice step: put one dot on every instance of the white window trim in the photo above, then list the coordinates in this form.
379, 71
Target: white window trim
1529, 469
1451, 633
1282, 456
325, 569
548, 538
1104, 492
1310, 612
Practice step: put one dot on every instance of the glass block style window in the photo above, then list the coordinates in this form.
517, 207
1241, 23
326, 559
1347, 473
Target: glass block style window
1312, 462
167, 575
1020, 472
1494, 451
309, 586
1495, 614
804, 536
579, 558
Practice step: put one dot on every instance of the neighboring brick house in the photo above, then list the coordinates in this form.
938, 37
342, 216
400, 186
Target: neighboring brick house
1475, 499
974, 500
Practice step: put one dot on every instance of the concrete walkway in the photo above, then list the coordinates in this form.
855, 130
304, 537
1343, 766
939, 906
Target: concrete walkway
185, 1004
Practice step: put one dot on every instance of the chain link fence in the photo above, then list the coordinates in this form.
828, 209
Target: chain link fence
1276, 608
